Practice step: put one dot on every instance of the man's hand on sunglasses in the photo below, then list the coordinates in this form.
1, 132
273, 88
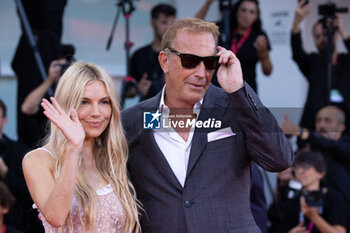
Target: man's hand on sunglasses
230, 72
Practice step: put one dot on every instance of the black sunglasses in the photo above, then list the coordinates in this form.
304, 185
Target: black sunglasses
190, 61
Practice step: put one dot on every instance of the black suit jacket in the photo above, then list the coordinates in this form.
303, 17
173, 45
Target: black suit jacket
215, 196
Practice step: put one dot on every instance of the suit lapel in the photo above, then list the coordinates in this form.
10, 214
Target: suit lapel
157, 158
152, 149
212, 108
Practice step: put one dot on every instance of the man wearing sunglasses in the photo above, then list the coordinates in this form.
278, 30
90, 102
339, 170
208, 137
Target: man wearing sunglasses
197, 179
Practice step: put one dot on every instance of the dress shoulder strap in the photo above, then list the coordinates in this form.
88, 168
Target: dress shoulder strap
47, 150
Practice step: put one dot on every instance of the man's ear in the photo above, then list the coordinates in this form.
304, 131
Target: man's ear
342, 127
4, 210
153, 22
164, 61
321, 175
5, 120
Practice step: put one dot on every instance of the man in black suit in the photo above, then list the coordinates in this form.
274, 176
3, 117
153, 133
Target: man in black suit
190, 162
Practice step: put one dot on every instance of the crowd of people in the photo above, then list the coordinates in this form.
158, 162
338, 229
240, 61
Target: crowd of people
82, 164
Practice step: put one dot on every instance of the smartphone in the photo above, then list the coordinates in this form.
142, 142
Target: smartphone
305, 3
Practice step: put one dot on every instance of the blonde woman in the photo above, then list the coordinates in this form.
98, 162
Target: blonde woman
78, 179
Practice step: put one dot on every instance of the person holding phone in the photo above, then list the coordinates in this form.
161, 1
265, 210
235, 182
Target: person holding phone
250, 44
314, 66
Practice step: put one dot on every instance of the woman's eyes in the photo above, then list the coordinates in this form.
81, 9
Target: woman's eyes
84, 102
249, 11
103, 102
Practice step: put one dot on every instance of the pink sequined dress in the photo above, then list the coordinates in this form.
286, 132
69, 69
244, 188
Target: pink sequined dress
108, 218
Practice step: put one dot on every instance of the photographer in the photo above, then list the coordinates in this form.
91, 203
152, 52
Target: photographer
144, 65
314, 66
328, 138
30, 107
315, 208
31, 103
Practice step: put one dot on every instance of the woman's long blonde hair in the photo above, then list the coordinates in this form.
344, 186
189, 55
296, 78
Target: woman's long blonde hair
110, 148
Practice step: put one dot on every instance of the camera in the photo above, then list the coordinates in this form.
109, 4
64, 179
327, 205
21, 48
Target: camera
294, 189
329, 10
225, 4
67, 51
313, 198
129, 88
64, 66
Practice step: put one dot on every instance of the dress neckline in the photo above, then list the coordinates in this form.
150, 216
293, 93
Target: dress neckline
104, 190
